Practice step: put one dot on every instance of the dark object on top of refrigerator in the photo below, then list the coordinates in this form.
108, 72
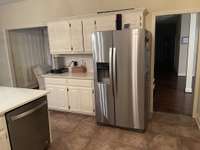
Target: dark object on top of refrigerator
121, 71
118, 21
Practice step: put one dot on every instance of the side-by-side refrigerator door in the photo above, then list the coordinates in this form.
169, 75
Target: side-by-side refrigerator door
102, 43
128, 78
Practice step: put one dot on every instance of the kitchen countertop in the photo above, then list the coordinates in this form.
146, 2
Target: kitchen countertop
11, 98
84, 76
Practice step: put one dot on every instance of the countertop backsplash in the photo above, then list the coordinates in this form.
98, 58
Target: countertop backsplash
81, 59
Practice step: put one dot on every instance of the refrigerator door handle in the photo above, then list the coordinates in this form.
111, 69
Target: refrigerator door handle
115, 71
111, 67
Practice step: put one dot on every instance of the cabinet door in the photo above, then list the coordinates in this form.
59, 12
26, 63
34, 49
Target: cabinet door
76, 35
88, 28
4, 144
59, 37
105, 23
74, 99
135, 20
57, 98
86, 102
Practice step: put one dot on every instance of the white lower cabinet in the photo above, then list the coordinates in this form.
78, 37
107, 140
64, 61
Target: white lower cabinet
74, 99
4, 140
87, 100
70, 95
4, 145
81, 100
57, 98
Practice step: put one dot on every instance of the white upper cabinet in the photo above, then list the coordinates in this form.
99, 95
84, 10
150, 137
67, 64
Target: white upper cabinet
76, 33
59, 37
105, 23
74, 36
88, 28
135, 20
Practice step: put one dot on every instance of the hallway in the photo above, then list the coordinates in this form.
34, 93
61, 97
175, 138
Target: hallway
169, 95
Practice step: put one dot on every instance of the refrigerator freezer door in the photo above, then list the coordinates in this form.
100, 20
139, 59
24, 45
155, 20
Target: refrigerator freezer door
128, 79
103, 60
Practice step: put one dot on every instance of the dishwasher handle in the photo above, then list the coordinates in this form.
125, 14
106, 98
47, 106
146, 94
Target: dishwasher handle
29, 112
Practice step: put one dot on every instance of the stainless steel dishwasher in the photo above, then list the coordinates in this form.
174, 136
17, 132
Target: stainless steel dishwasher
28, 126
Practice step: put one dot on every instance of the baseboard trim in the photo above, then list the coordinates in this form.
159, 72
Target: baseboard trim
188, 90
181, 74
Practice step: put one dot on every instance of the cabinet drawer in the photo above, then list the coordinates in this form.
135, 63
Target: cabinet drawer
77, 82
57, 81
1, 123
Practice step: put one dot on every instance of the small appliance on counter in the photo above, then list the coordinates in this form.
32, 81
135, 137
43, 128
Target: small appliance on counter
78, 69
60, 70
58, 65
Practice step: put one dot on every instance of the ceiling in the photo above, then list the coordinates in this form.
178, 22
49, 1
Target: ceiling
2, 2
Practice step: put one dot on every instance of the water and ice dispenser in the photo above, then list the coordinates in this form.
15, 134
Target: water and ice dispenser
103, 75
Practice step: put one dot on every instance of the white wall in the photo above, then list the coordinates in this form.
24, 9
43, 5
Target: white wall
38, 12
192, 51
183, 51
5, 72
31, 13
185, 30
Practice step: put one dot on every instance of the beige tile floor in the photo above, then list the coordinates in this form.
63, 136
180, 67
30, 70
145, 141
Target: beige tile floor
165, 132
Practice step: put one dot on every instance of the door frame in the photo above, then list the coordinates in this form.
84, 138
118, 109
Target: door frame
197, 76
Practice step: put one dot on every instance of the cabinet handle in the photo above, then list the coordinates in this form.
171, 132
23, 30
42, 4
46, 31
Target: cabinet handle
70, 25
67, 89
69, 107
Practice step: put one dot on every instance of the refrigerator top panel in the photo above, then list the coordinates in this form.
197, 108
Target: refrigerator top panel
102, 43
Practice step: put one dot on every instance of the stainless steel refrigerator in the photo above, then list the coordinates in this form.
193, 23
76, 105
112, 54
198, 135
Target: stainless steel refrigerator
121, 66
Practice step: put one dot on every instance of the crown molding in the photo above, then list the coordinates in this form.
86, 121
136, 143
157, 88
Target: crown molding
4, 2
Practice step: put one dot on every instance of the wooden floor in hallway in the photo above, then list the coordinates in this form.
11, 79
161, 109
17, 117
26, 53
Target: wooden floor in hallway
169, 95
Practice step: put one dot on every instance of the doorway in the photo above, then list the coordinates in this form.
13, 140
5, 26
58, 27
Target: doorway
28, 47
171, 64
